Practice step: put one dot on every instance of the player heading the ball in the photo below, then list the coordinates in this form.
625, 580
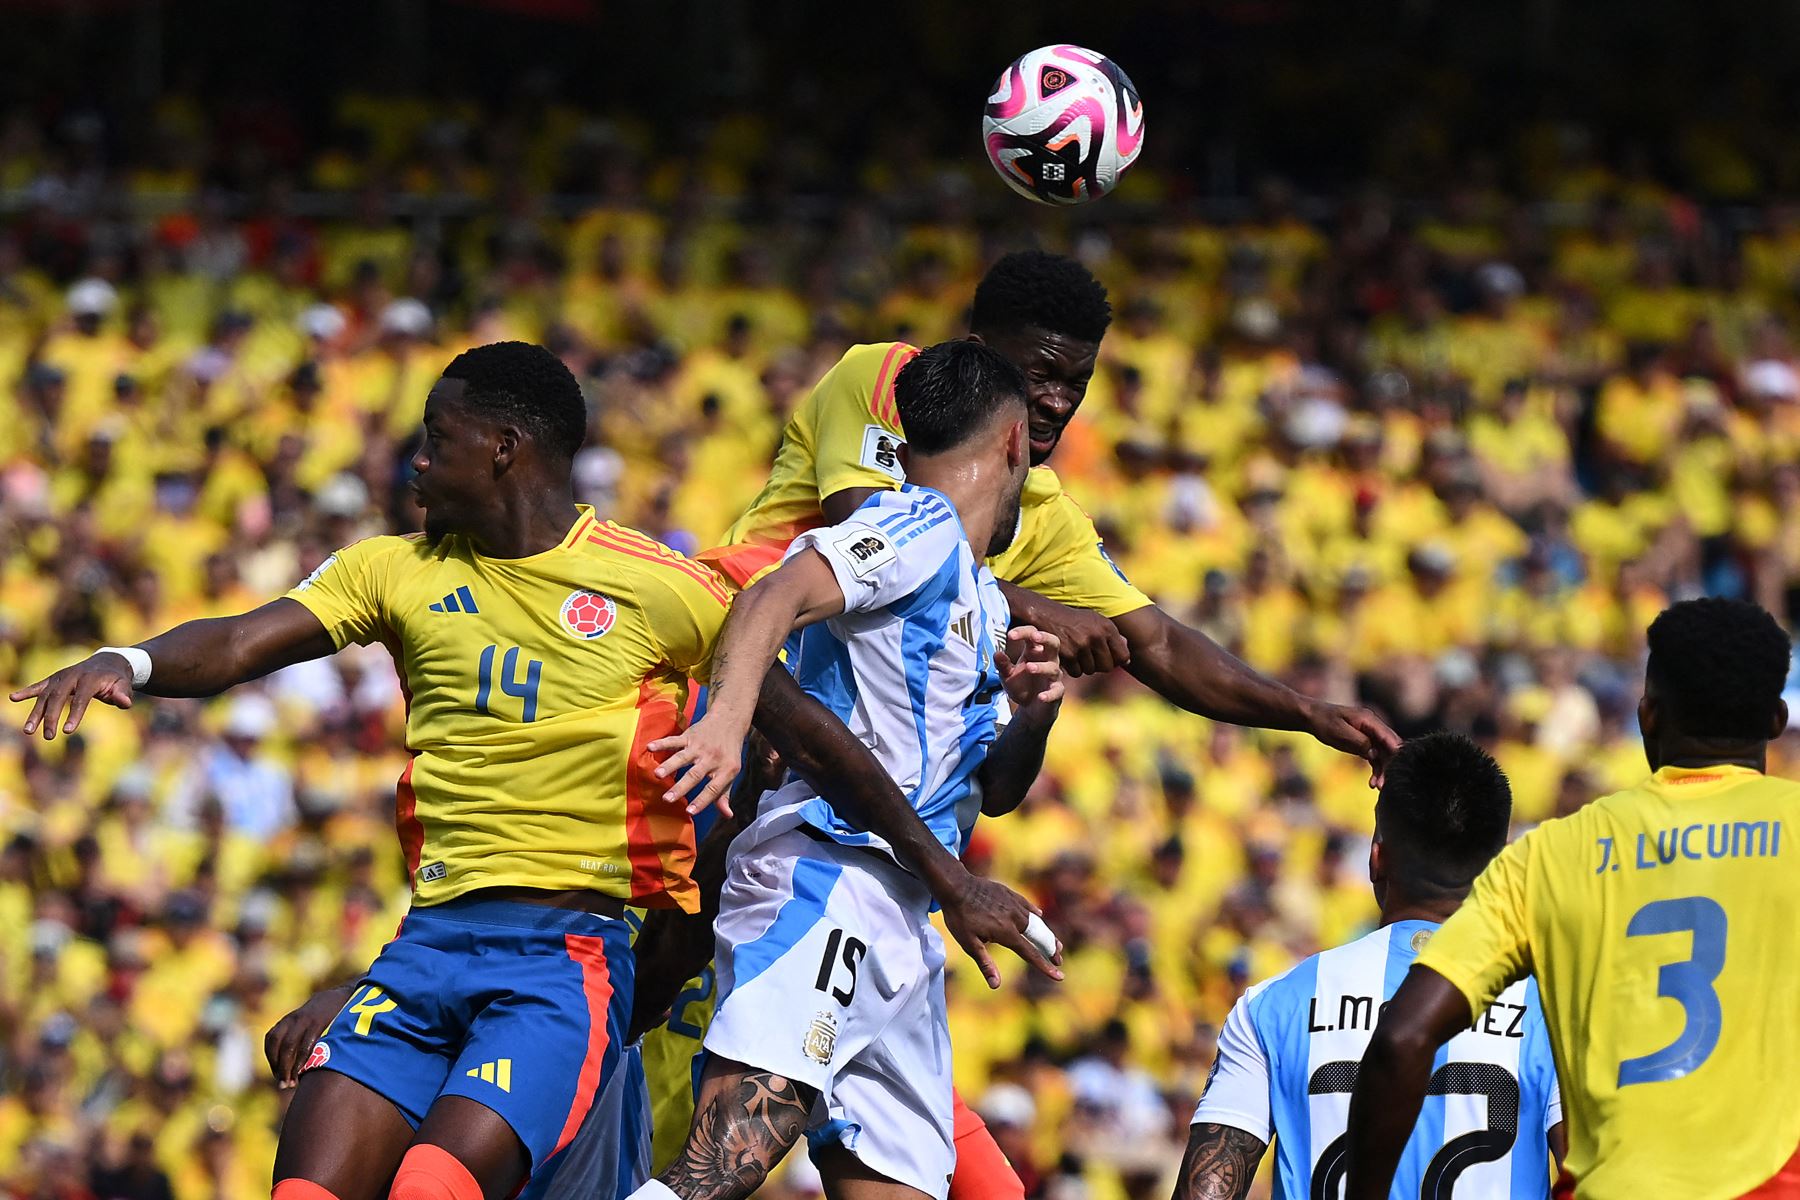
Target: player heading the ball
831, 1017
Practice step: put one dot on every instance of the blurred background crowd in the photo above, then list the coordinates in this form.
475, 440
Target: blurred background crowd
1445, 445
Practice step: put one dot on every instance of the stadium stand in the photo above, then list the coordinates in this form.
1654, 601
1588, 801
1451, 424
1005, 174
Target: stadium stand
1449, 457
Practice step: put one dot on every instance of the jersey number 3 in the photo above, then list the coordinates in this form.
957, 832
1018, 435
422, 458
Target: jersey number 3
1688, 982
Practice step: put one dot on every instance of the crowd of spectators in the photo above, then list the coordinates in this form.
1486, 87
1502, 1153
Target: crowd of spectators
1448, 456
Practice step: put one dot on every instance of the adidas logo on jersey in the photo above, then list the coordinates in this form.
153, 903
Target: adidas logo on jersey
498, 1073
460, 601
964, 627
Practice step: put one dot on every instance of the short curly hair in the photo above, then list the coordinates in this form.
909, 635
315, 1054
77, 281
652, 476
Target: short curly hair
1443, 813
524, 385
1718, 667
1033, 289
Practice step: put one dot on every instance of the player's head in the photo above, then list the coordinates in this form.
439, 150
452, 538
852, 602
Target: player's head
1443, 813
964, 401
1712, 689
504, 417
1046, 314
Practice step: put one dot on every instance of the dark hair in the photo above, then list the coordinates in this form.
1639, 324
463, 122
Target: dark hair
949, 392
1032, 289
1718, 667
527, 386
1443, 812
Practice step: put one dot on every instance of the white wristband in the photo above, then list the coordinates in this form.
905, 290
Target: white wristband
139, 660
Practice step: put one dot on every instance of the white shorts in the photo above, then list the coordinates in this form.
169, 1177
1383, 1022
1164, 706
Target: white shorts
831, 973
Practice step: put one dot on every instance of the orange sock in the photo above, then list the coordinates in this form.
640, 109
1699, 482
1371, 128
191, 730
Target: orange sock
300, 1189
432, 1173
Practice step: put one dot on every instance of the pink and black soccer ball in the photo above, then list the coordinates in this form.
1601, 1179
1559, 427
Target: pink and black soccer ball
1062, 125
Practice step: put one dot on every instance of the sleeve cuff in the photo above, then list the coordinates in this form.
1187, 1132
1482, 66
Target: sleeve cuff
847, 581
334, 629
1207, 1114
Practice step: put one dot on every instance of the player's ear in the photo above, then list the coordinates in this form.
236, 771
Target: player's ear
1018, 445
1377, 860
1781, 720
507, 440
976, 338
1649, 718
905, 456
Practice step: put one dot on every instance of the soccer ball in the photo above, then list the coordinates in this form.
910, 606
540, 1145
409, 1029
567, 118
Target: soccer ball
1062, 125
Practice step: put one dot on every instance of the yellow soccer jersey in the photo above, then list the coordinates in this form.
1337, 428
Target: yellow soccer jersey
533, 687
847, 435
672, 1067
1659, 922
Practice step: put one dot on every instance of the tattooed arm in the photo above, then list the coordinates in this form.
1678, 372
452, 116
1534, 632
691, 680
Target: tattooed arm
745, 1122
1219, 1164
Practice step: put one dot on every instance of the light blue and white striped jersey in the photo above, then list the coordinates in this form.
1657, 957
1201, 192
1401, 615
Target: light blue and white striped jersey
1288, 1060
909, 665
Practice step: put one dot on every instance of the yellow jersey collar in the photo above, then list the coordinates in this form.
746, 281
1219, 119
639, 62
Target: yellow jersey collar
1678, 776
584, 521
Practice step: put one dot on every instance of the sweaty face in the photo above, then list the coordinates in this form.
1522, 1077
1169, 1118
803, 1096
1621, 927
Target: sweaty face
1057, 370
1006, 523
454, 463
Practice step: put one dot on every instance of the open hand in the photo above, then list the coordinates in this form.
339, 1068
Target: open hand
102, 677
1355, 730
1031, 667
980, 911
709, 752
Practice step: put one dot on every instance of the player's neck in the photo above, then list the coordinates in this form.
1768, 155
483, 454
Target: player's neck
973, 488
1699, 753
524, 523
1403, 908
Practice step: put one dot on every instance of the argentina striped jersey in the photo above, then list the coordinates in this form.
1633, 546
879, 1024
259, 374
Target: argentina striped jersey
909, 665
1288, 1059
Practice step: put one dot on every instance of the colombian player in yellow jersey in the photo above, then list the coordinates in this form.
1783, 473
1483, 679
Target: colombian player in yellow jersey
1659, 922
1046, 314
542, 651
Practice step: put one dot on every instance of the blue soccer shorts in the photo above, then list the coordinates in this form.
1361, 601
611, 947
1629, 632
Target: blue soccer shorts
520, 1007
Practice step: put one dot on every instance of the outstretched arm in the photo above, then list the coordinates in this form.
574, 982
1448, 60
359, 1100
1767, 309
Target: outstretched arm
813, 743
1219, 1164
1426, 1012
198, 658
1186, 667
818, 747
801, 591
